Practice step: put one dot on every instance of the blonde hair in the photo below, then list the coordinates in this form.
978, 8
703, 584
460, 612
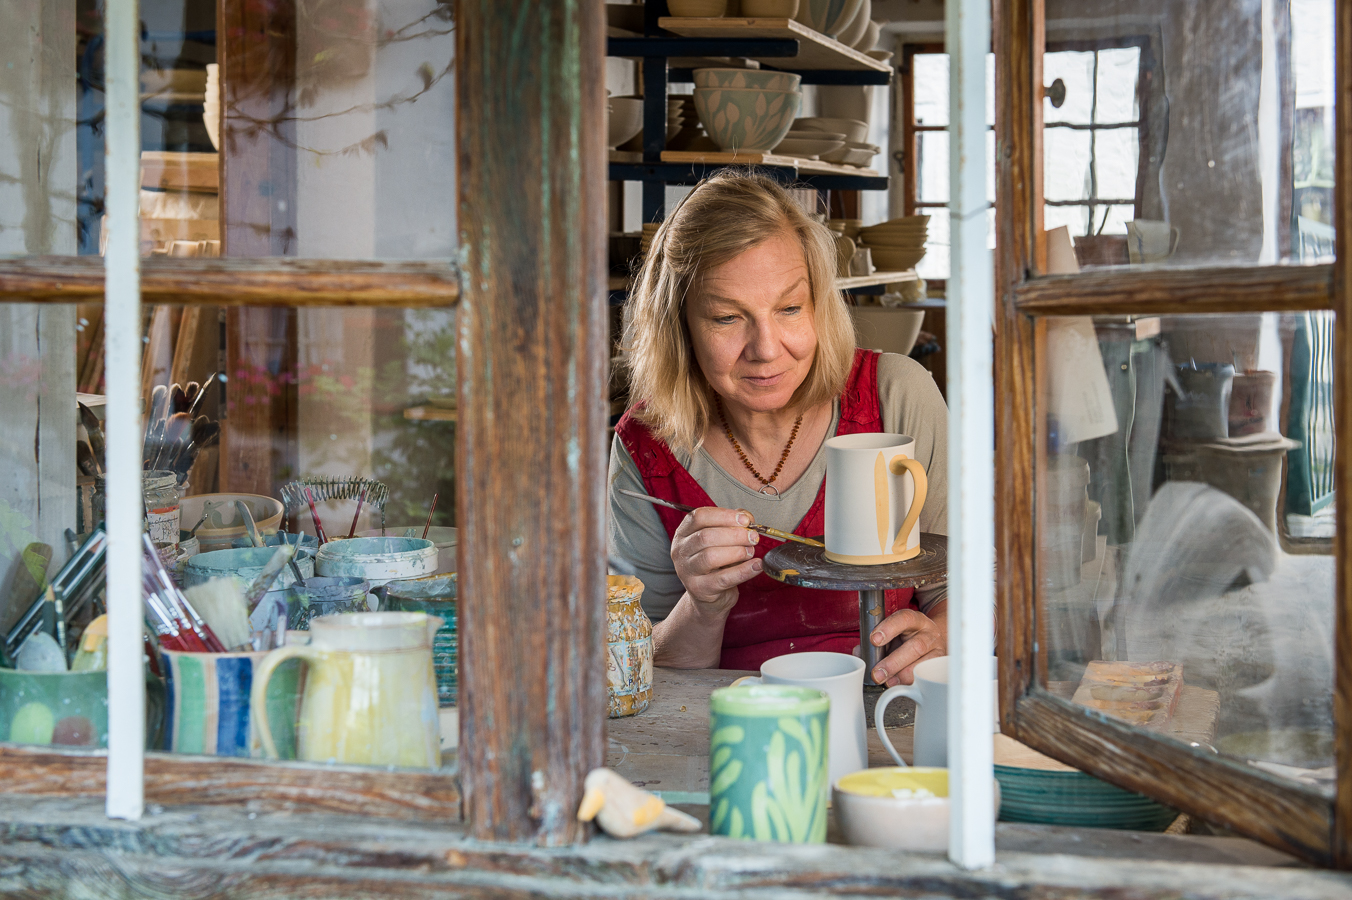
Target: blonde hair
724, 216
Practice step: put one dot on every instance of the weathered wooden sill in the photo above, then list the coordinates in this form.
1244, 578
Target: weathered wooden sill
68, 848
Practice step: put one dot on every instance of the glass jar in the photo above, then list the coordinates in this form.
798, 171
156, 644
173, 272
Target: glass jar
162, 494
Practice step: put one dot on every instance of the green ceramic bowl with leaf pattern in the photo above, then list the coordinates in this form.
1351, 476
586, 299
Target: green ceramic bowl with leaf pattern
744, 118
768, 763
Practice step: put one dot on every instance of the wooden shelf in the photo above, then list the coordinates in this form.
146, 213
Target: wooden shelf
760, 158
859, 281
815, 50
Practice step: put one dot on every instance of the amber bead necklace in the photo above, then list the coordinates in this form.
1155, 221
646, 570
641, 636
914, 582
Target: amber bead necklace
767, 484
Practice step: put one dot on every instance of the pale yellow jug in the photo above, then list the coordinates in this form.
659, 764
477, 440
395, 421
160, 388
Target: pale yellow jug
370, 691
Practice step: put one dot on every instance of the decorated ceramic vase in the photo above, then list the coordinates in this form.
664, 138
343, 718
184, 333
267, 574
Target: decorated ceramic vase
768, 763
629, 647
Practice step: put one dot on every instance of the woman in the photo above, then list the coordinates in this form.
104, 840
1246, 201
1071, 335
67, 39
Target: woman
741, 360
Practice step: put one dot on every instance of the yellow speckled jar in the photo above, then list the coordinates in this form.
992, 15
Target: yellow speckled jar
629, 647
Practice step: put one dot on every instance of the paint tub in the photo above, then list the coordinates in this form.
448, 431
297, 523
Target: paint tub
224, 523
378, 560
245, 564
436, 596
324, 596
444, 536
307, 541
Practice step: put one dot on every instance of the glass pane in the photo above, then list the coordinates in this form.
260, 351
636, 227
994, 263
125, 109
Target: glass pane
1229, 120
932, 180
333, 126
357, 406
1115, 153
934, 264
1117, 100
1076, 71
931, 88
1066, 176
1076, 218
1172, 594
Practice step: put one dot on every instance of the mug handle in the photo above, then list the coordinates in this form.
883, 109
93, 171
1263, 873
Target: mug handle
892, 693
258, 696
1174, 235
898, 464
747, 679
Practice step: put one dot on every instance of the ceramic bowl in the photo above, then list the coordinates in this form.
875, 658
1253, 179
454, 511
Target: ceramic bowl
755, 79
896, 259
795, 147
879, 55
698, 9
770, 9
807, 134
872, 32
853, 129
743, 119
878, 808
827, 16
902, 240
625, 120
901, 223
852, 30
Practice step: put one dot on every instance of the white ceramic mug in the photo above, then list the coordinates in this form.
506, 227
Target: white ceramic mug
839, 676
930, 693
875, 489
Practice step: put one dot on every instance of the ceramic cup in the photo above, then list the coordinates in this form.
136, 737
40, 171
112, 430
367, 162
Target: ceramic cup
768, 756
875, 489
841, 678
930, 693
208, 709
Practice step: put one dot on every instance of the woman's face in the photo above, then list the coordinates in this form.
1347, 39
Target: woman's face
751, 324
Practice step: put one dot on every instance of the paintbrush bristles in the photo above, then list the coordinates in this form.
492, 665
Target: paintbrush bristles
221, 603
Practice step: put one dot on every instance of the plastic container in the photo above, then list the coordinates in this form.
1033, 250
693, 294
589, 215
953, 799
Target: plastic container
323, 596
444, 537
378, 560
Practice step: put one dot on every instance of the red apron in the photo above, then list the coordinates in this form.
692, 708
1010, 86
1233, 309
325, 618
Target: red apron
770, 618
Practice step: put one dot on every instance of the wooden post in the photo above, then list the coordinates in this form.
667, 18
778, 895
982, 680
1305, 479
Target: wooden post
531, 447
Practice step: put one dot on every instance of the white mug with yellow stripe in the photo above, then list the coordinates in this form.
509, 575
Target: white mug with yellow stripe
875, 489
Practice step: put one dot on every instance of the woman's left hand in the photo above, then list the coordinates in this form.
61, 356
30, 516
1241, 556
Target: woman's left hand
925, 637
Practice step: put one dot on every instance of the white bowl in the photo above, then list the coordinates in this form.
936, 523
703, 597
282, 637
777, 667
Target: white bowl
625, 120
870, 815
871, 34
796, 147
853, 129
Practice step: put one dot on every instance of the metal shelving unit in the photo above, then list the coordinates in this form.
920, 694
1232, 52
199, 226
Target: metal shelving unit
657, 45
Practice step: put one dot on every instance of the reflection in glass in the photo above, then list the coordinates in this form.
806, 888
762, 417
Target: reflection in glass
1173, 454
1211, 131
932, 185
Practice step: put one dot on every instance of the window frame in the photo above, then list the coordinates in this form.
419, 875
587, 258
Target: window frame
1297, 820
530, 743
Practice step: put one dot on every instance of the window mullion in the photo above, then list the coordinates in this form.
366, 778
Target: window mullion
125, 796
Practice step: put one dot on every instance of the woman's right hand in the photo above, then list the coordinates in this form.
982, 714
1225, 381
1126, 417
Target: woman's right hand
712, 551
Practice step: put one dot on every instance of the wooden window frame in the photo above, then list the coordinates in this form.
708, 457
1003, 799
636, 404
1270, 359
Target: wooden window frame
1274, 811
532, 389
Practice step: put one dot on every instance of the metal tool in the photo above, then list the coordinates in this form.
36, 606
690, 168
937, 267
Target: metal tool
759, 529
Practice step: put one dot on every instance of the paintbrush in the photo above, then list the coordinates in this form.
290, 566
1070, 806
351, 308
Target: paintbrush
265, 578
428, 526
178, 399
759, 529
314, 513
351, 532
251, 529
85, 459
202, 394
177, 434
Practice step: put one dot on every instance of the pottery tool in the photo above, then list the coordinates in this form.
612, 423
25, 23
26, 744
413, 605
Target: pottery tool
222, 606
84, 459
94, 429
428, 526
192, 532
269, 574
352, 532
314, 513
257, 540
759, 529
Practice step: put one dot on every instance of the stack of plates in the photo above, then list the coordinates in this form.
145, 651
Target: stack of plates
649, 230
898, 244
1037, 788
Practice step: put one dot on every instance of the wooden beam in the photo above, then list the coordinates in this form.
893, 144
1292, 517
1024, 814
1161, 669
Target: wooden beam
1124, 291
1342, 465
1274, 810
176, 779
238, 282
531, 446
